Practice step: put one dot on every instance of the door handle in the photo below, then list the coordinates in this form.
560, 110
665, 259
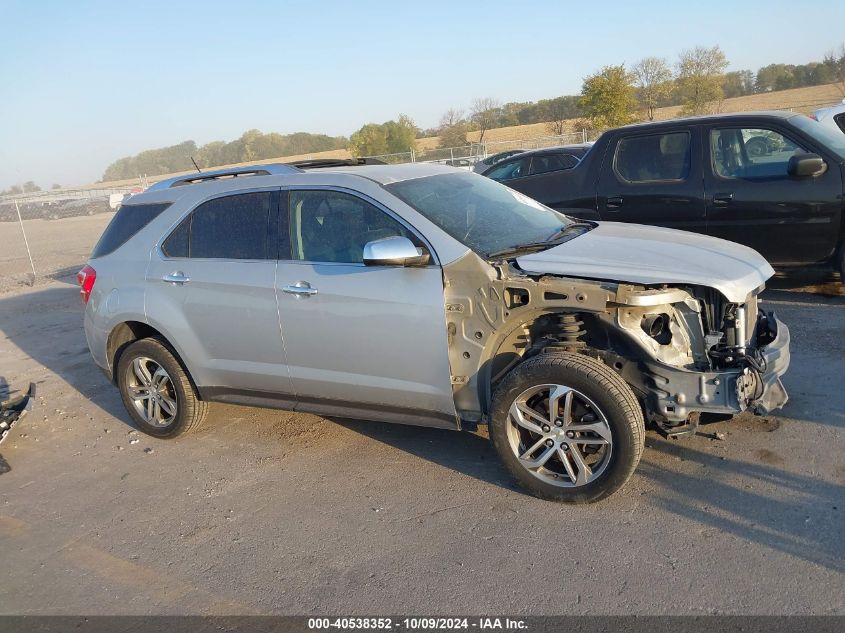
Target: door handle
614, 202
300, 289
176, 277
722, 199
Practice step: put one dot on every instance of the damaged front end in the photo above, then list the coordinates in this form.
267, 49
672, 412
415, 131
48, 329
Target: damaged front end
14, 409
701, 355
686, 351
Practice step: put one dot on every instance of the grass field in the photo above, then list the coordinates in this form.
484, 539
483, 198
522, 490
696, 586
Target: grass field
804, 100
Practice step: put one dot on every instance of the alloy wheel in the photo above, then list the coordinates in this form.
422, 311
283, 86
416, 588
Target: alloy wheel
559, 435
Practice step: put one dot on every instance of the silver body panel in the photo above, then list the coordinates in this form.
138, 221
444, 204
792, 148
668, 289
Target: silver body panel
380, 342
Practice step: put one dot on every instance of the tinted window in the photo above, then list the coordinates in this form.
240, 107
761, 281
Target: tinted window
233, 227
478, 212
840, 121
506, 170
330, 226
751, 153
653, 158
129, 219
176, 245
551, 162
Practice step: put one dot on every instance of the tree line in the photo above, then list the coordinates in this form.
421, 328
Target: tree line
614, 95
252, 145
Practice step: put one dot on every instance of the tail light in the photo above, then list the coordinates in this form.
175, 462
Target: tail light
86, 278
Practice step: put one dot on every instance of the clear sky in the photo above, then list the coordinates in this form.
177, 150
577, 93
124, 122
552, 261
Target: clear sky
84, 83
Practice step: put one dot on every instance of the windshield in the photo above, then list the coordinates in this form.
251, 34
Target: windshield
479, 212
828, 137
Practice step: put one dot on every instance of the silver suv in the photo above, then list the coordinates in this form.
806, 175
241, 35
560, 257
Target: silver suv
427, 295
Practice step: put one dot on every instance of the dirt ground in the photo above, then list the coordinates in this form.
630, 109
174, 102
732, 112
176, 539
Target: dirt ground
269, 512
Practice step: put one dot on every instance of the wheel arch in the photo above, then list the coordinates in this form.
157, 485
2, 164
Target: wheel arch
127, 332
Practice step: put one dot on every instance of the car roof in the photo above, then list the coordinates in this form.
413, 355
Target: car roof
552, 150
222, 181
707, 118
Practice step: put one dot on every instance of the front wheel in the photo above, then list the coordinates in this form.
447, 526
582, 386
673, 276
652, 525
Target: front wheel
567, 427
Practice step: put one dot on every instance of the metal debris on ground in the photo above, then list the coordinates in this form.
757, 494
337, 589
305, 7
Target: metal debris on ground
13, 410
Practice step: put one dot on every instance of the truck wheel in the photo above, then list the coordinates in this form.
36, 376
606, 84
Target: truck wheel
567, 427
156, 390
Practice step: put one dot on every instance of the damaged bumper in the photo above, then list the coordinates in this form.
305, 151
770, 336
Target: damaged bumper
13, 410
674, 394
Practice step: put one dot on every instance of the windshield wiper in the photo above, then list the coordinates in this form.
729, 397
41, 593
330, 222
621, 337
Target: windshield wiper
563, 234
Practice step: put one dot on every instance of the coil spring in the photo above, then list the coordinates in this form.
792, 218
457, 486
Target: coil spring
570, 331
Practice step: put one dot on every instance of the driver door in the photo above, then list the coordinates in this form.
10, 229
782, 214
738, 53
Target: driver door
361, 341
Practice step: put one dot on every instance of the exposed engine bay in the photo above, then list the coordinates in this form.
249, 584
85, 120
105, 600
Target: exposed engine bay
685, 350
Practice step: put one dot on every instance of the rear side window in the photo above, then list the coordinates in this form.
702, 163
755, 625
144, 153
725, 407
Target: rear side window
129, 219
506, 170
840, 121
653, 158
551, 162
232, 227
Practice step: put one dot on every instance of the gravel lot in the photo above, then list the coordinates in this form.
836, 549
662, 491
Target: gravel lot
269, 512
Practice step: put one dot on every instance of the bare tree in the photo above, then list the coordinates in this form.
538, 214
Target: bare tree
653, 79
451, 117
558, 113
484, 114
835, 60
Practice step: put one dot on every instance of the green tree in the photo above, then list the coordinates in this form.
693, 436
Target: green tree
56, 186
699, 81
391, 137
370, 140
738, 83
401, 135
556, 112
30, 187
608, 98
653, 79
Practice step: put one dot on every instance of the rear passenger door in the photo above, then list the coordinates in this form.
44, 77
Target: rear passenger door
211, 284
361, 341
654, 178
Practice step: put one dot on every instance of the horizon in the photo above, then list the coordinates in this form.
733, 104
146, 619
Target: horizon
98, 82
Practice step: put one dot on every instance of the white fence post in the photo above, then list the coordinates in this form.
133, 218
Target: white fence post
26, 242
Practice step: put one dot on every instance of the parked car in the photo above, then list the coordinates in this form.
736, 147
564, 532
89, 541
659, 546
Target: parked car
484, 164
772, 181
538, 161
428, 295
833, 117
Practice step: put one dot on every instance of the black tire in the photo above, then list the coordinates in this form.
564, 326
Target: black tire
611, 394
190, 410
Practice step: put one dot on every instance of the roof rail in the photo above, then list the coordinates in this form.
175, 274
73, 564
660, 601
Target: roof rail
318, 163
235, 172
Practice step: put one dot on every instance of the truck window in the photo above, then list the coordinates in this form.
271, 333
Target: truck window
653, 158
750, 153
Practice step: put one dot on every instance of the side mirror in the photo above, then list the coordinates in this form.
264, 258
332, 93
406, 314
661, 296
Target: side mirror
395, 251
806, 166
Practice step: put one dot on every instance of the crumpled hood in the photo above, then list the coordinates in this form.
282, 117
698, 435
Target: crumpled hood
634, 253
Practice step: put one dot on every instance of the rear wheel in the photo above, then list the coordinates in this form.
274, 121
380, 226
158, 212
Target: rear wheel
567, 428
156, 390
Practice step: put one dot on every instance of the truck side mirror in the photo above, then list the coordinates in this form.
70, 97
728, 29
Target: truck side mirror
806, 166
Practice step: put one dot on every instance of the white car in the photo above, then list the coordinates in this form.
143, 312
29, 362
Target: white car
833, 117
